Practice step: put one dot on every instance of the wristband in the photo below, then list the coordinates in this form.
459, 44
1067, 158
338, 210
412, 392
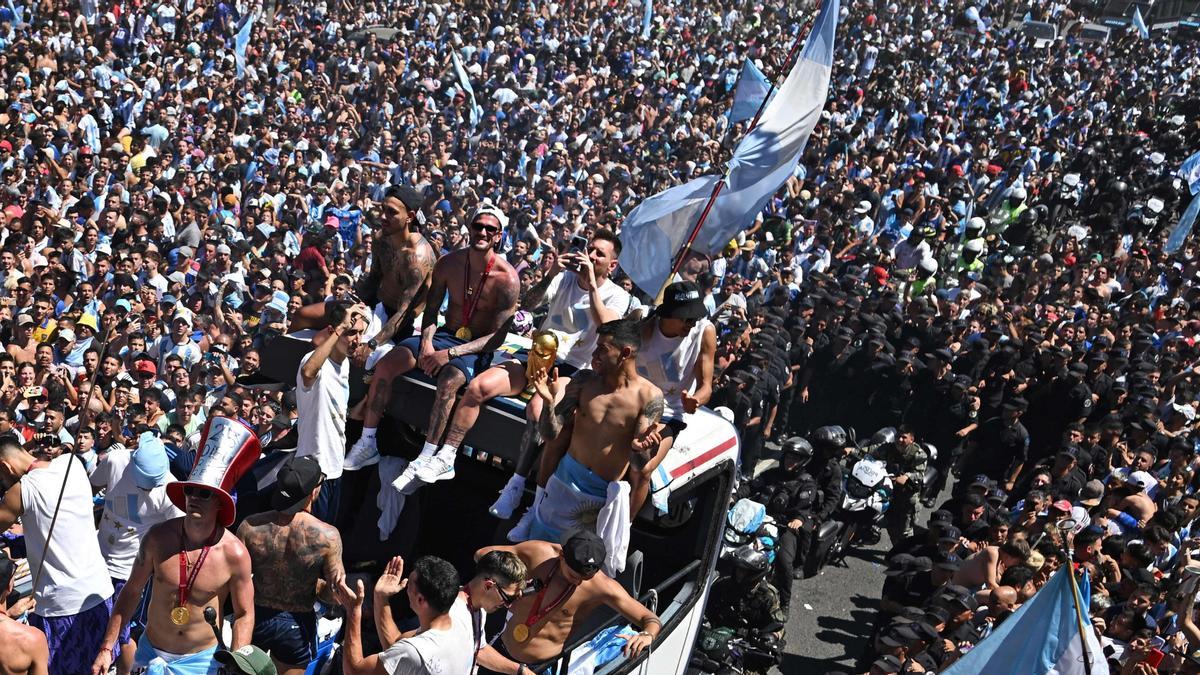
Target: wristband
451, 353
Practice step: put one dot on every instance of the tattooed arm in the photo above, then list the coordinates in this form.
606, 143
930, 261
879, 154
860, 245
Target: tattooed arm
647, 437
555, 417
414, 267
333, 573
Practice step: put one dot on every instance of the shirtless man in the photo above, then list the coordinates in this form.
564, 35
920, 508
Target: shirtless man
400, 273
579, 300
25, 650
985, 568
23, 347
218, 567
570, 587
605, 417
483, 290
295, 557
1127, 505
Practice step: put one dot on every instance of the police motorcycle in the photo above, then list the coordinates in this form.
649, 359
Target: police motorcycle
867, 498
742, 632
1065, 200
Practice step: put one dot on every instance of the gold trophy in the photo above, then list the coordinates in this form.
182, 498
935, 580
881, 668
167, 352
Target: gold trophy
541, 358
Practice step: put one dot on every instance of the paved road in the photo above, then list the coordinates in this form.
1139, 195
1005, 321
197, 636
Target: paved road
833, 614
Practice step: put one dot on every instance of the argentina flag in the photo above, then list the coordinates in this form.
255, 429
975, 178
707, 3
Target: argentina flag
1042, 637
752, 89
1189, 171
659, 227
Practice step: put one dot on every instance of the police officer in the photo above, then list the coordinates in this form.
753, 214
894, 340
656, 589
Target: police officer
906, 461
792, 498
745, 599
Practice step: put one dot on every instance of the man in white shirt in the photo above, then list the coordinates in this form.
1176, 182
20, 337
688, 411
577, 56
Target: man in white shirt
73, 601
446, 641
322, 398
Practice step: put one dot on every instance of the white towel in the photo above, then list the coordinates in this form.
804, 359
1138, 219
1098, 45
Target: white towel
612, 524
389, 501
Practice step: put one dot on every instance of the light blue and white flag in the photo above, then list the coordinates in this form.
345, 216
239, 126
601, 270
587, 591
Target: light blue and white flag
240, 41
752, 89
656, 230
647, 17
1189, 171
1040, 638
1140, 24
1184, 227
476, 111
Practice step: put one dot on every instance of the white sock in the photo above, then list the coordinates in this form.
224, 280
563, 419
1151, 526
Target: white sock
368, 432
428, 450
448, 449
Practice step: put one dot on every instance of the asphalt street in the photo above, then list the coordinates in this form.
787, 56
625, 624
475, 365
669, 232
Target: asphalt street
833, 614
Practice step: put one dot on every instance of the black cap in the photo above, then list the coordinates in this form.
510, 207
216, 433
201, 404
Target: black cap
297, 478
409, 196
682, 300
584, 551
887, 664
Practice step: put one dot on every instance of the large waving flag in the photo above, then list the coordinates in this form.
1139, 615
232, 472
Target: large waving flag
1189, 171
240, 41
1140, 24
647, 18
465, 81
1183, 228
658, 228
1040, 638
752, 89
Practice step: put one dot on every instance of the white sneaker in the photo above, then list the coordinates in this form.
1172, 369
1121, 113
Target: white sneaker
509, 499
407, 482
439, 467
364, 453
520, 531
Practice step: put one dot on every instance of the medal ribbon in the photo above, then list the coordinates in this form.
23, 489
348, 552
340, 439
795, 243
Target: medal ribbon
473, 300
186, 587
535, 615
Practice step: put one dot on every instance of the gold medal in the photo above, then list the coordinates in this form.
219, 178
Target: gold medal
521, 632
463, 333
180, 616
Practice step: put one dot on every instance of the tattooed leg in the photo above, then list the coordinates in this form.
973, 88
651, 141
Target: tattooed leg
504, 380
449, 382
396, 363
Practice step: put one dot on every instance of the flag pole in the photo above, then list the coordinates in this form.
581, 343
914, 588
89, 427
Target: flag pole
677, 263
1087, 663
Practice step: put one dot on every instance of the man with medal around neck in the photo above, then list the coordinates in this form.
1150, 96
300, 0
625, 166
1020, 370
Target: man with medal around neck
175, 625
483, 291
570, 587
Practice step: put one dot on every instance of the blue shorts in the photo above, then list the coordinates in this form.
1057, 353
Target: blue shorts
74, 640
290, 637
467, 365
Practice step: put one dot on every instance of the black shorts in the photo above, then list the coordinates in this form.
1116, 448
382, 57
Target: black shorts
498, 644
290, 637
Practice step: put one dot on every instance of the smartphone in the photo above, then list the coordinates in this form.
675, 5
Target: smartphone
1154, 658
578, 244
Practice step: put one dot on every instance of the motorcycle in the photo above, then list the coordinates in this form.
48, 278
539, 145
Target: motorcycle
748, 523
729, 651
868, 494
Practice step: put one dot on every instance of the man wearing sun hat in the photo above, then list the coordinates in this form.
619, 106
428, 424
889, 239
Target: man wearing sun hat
193, 562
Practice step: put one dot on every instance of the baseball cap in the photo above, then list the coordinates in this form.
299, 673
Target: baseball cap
1143, 480
584, 551
249, 660
66, 334
35, 392
1091, 493
408, 195
296, 480
682, 300
145, 366
24, 319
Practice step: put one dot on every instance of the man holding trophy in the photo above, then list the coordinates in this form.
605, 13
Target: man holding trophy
581, 296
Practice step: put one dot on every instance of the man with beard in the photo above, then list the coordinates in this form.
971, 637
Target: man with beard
483, 290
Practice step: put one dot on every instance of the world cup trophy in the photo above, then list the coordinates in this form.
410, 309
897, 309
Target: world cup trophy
542, 353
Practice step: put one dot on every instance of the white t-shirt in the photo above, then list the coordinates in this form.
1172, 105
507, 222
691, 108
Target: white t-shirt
73, 580
570, 316
129, 511
436, 652
322, 408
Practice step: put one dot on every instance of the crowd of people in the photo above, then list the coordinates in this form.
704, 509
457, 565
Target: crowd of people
973, 250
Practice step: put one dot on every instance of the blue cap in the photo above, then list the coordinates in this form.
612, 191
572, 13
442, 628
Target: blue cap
150, 463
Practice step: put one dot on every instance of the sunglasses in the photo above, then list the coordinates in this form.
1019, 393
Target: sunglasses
506, 599
481, 227
197, 493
